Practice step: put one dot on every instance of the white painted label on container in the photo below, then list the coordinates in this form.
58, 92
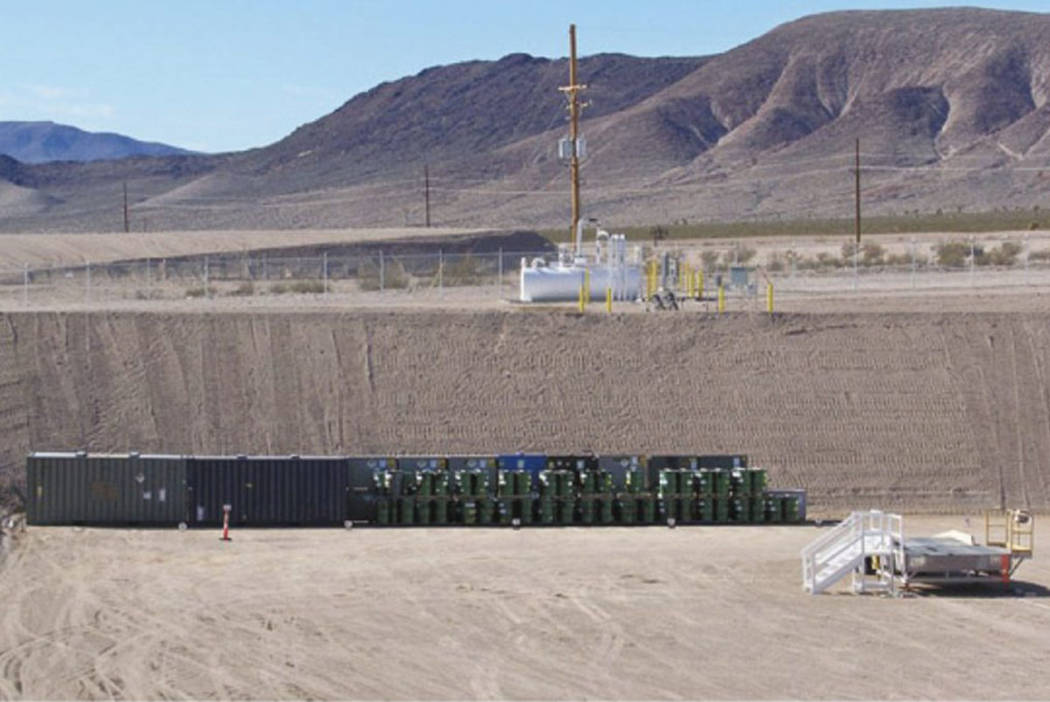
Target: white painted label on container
162, 495
200, 513
140, 478
147, 495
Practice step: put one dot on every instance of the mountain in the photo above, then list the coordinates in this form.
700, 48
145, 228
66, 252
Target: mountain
950, 105
41, 142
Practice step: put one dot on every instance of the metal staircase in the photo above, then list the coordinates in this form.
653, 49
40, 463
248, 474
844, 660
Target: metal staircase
874, 535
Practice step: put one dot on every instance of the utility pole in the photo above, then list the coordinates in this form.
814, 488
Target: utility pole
856, 172
127, 223
572, 91
856, 247
426, 192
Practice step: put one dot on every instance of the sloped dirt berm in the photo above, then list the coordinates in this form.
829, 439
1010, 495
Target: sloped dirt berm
915, 412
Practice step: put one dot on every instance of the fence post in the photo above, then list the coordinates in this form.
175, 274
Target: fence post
207, 273
266, 267
149, 275
325, 265
913, 263
501, 270
25, 284
856, 271
441, 270
87, 269
1027, 251
382, 272
972, 258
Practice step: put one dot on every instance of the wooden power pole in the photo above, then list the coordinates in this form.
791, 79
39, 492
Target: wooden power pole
127, 222
426, 192
572, 91
856, 172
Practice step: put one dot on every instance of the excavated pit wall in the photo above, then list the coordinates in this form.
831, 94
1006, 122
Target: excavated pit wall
909, 412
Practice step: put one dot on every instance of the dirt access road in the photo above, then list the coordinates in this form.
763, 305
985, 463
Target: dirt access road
641, 613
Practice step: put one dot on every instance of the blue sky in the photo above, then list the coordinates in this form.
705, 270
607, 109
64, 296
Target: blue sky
232, 74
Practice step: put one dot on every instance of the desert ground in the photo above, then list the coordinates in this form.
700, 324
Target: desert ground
932, 401
640, 613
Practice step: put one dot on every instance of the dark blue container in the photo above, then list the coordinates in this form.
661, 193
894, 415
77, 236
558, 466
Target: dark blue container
531, 462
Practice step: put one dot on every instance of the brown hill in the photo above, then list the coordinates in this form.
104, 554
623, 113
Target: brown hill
951, 106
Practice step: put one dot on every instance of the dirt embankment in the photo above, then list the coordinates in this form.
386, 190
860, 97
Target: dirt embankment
914, 412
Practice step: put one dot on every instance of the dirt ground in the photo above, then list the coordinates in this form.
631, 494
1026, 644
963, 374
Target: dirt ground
931, 401
617, 613
74, 249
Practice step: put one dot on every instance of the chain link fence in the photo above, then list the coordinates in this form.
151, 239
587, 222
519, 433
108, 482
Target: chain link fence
830, 265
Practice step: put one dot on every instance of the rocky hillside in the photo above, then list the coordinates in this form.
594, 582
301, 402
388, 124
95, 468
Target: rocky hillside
950, 105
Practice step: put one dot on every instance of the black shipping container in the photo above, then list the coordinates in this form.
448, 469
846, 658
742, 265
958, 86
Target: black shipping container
577, 463
723, 461
267, 491
76, 488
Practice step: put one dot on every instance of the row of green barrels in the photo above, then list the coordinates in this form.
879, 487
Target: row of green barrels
625, 508
564, 483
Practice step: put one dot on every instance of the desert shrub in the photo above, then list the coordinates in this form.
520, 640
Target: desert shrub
872, 254
315, 287
245, 289
394, 275
1005, 255
1032, 226
826, 260
1041, 255
200, 291
952, 254
658, 234
465, 270
709, 259
776, 263
278, 289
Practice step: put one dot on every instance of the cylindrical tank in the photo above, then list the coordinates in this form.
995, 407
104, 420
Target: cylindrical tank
560, 283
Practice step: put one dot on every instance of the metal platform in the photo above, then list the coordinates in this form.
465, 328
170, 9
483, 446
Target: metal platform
870, 548
947, 560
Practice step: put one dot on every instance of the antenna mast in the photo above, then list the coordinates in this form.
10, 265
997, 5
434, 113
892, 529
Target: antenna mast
572, 92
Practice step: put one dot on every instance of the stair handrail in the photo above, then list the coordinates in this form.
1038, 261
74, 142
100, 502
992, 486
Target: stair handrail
848, 534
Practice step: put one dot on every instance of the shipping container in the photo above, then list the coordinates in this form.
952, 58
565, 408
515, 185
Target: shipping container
578, 463
619, 467
267, 491
729, 461
367, 480
105, 489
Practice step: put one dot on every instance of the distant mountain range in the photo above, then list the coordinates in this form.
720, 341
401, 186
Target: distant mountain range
41, 142
950, 105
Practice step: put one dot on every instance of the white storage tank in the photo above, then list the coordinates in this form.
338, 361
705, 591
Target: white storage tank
561, 280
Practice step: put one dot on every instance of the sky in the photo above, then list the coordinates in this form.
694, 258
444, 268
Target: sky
224, 75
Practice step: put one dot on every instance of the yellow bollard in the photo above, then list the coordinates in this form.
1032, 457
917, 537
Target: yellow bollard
721, 299
608, 299
581, 303
769, 296
587, 285
700, 285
